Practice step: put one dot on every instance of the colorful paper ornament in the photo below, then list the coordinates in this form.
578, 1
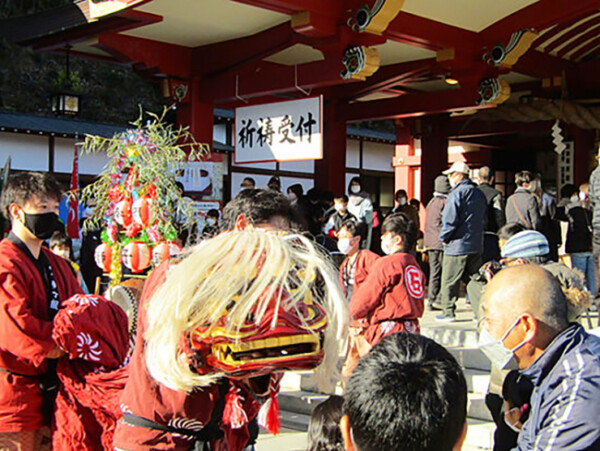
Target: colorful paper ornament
137, 256
122, 213
103, 256
143, 211
163, 251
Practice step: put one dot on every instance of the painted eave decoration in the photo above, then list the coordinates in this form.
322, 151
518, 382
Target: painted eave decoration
493, 91
507, 56
375, 19
360, 62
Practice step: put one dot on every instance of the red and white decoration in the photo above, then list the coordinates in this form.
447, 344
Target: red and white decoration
123, 213
137, 256
143, 211
103, 256
163, 251
414, 282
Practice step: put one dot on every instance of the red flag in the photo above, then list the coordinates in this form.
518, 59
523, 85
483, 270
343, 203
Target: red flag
73, 218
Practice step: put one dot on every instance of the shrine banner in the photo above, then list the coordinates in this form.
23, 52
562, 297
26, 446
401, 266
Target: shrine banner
282, 131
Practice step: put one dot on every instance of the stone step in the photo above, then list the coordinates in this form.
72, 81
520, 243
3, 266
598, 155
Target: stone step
476, 408
294, 420
300, 401
477, 381
471, 358
453, 335
480, 435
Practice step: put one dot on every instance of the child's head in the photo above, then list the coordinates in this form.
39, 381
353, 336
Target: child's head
60, 244
324, 431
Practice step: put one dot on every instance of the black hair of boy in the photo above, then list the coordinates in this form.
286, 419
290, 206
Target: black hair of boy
259, 206
213, 213
355, 228
509, 230
400, 224
342, 197
60, 239
408, 393
324, 428
23, 187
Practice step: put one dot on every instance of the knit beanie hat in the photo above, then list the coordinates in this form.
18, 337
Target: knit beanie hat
527, 243
441, 184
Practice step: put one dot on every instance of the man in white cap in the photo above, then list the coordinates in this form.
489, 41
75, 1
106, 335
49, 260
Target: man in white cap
463, 222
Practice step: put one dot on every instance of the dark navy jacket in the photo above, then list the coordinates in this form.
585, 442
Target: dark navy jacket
463, 220
565, 404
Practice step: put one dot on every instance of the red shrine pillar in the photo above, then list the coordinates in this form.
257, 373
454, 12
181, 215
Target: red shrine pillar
434, 152
405, 162
198, 114
583, 154
330, 172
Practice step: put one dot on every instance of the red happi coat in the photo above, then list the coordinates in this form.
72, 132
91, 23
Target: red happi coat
26, 333
391, 297
145, 397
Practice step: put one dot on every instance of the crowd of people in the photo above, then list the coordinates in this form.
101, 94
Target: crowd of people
401, 390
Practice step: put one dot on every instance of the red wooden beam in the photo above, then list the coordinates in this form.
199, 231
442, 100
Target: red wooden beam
429, 34
542, 65
583, 51
588, 35
413, 105
386, 77
269, 79
224, 57
170, 59
585, 29
539, 15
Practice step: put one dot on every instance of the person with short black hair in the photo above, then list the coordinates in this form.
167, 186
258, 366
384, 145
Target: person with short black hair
33, 284
253, 207
211, 227
61, 244
324, 432
248, 183
408, 393
274, 183
359, 204
353, 272
405, 207
391, 297
339, 216
495, 214
523, 206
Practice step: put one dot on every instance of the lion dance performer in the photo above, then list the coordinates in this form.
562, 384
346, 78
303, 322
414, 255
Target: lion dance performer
215, 333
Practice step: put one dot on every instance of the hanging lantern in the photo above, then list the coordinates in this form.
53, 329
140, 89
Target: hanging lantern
103, 256
123, 213
163, 251
142, 211
136, 256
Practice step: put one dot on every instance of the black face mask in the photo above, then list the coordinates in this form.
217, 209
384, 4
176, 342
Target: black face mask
42, 225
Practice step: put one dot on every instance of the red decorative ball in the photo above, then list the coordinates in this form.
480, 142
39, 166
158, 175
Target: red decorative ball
163, 251
143, 211
137, 256
103, 256
123, 213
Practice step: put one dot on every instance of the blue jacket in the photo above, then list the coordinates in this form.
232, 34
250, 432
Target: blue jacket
565, 403
463, 220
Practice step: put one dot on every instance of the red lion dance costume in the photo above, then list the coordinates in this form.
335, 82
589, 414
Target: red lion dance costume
215, 333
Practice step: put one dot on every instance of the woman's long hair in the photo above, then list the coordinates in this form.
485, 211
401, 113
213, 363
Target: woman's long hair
198, 291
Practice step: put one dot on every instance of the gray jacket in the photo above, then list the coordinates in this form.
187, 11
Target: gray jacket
594, 193
522, 207
565, 403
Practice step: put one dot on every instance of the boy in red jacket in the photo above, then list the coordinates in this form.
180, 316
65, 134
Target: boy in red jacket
33, 284
391, 297
353, 272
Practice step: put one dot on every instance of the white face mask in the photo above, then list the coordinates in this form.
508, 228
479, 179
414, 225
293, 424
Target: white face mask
340, 207
355, 189
63, 254
402, 201
494, 349
210, 221
574, 198
344, 245
387, 247
292, 197
452, 181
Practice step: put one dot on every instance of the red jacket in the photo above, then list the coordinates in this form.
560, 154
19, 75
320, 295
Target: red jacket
364, 260
393, 290
143, 396
26, 333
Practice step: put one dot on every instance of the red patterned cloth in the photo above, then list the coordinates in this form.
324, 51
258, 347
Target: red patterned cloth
93, 332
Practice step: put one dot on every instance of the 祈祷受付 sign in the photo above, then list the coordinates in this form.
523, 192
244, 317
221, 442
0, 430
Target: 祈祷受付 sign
281, 131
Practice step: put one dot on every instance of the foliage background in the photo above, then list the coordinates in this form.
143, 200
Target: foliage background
111, 93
